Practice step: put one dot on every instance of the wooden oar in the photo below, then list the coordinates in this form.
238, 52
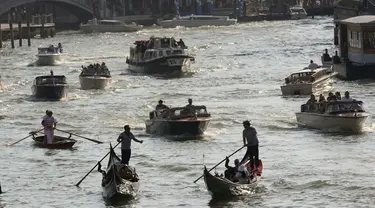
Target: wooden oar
93, 140
221, 162
79, 182
31, 133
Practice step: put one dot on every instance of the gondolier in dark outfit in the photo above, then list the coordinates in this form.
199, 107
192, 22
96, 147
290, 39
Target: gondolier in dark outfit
250, 139
125, 138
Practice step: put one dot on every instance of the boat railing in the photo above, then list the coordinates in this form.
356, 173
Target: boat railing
333, 107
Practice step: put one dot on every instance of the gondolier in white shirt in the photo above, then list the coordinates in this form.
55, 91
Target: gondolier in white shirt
125, 138
250, 139
49, 124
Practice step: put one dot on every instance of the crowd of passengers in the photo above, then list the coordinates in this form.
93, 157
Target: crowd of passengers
169, 42
95, 69
320, 105
53, 49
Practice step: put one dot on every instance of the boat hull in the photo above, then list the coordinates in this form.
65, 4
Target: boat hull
123, 190
48, 59
94, 82
194, 23
58, 143
219, 186
351, 122
50, 92
109, 28
165, 65
320, 85
178, 127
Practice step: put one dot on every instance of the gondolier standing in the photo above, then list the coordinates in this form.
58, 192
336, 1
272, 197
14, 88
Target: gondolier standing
49, 124
250, 139
125, 138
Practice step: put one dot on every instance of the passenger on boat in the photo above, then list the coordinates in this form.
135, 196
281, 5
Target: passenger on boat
326, 56
347, 97
321, 98
330, 95
231, 172
161, 106
312, 65
125, 138
312, 99
181, 43
51, 49
49, 124
338, 95
242, 175
250, 139
59, 46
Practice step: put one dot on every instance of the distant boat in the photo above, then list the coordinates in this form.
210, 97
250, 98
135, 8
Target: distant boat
307, 81
159, 56
101, 26
93, 80
197, 21
58, 142
50, 87
297, 12
49, 56
192, 121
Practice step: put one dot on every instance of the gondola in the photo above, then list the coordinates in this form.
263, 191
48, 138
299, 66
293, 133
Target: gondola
58, 142
220, 186
120, 181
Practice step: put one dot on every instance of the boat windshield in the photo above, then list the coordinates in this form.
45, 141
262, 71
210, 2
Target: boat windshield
182, 112
43, 80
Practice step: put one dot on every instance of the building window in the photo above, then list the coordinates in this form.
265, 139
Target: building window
369, 40
355, 39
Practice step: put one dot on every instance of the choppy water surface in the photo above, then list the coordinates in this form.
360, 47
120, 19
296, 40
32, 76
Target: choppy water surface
237, 75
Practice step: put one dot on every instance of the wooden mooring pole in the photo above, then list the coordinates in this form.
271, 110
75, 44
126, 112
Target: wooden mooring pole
11, 32
20, 33
42, 29
28, 34
1, 37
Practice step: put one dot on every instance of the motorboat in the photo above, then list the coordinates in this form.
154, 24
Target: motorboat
49, 56
50, 87
102, 26
91, 78
197, 21
159, 56
217, 185
297, 12
307, 81
192, 121
338, 115
120, 180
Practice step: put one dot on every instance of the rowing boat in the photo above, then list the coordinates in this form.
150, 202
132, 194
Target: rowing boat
120, 180
59, 142
219, 185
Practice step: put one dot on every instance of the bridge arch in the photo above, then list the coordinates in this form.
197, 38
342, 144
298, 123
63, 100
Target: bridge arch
82, 9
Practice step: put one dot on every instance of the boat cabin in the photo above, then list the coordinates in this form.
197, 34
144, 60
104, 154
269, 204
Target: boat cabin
50, 49
202, 17
307, 75
297, 10
181, 112
104, 22
356, 39
156, 47
48, 80
333, 107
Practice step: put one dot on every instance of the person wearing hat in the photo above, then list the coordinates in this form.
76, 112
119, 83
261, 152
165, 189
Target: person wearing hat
161, 106
49, 124
250, 139
125, 138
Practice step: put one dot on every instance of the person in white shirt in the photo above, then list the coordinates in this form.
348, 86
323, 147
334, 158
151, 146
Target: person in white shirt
49, 124
242, 175
347, 97
125, 138
313, 65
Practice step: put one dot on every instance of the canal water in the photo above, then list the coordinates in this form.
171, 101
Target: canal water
237, 75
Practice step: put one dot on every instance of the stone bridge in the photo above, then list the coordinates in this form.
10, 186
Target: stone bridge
80, 8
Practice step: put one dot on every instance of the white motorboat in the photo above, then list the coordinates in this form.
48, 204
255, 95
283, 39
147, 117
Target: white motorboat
333, 116
297, 12
307, 81
102, 26
197, 21
95, 78
48, 56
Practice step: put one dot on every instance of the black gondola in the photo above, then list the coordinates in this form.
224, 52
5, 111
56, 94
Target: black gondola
50, 87
120, 180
